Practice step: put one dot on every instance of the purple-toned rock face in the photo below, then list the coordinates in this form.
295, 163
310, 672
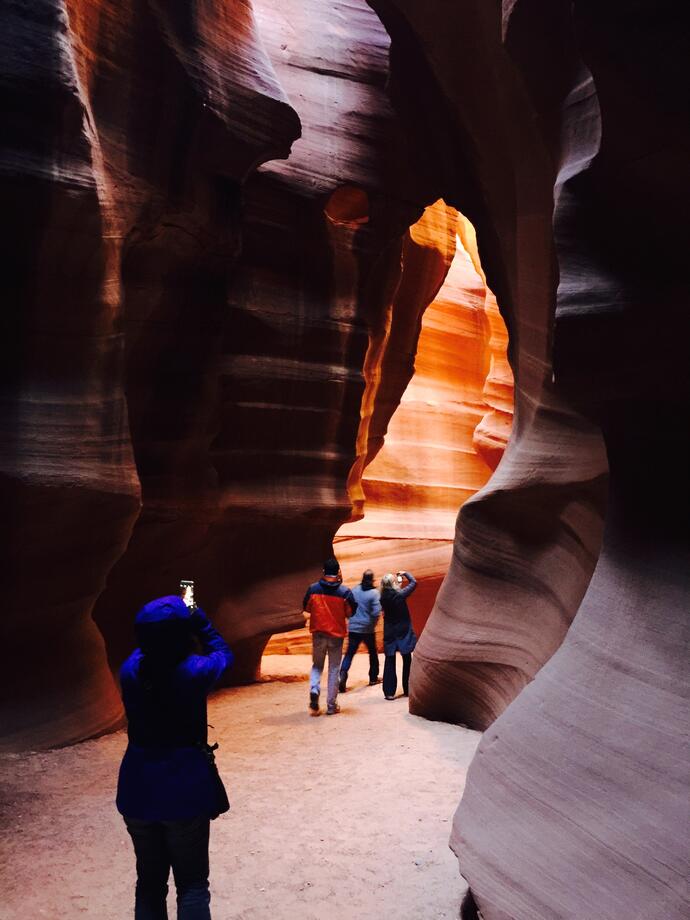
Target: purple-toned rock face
127, 129
527, 543
576, 803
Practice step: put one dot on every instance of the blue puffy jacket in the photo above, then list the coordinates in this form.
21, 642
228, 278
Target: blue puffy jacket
164, 774
363, 620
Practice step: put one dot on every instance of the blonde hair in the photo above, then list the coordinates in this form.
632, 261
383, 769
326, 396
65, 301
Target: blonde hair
389, 581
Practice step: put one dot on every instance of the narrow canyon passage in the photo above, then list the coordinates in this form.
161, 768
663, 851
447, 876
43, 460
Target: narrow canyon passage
251, 298
422, 455
345, 817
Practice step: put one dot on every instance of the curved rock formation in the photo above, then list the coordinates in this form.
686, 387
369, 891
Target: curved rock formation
203, 354
536, 527
454, 416
444, 335
198, 412
122, 209
575, 802
583, 781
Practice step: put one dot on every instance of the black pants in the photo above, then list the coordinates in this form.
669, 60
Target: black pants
160, 845
353, 642
390, 677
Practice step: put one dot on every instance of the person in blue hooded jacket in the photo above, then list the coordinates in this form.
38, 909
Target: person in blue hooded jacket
361, 628
166, 790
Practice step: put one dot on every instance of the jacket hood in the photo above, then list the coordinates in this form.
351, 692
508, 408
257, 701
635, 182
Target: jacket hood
163, 610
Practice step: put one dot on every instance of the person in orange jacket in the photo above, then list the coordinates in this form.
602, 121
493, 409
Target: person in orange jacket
329, 604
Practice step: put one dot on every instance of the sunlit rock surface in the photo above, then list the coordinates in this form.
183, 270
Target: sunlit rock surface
406, 490
449, 430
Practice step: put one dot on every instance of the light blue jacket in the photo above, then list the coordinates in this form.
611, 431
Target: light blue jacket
363, 620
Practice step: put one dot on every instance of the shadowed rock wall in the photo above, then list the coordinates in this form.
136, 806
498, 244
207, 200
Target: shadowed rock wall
527, 543
570, 154
128, 128
588, 768
173, 409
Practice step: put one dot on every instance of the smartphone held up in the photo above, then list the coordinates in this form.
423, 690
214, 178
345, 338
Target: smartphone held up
187, 593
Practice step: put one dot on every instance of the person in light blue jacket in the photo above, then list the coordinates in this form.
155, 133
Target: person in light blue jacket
361, 628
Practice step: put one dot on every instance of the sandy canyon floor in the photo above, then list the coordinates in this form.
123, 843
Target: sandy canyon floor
344, 817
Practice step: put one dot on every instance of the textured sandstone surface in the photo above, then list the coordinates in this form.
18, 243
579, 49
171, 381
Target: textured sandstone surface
576, 801
527, 543
213, 304
190, 327
450, 425
122, 205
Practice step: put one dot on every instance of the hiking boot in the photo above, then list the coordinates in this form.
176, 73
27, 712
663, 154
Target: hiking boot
342, 686
314, 702
332, 710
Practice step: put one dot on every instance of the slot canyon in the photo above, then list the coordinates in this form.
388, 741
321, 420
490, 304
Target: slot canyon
401, 281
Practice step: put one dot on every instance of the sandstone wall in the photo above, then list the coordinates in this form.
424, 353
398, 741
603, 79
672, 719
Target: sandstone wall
447, 433
128, 129
200, 364
414, 468
189, 328
526, 544
569, 141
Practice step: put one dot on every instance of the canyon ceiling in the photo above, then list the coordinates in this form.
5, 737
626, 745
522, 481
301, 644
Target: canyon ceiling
226, 222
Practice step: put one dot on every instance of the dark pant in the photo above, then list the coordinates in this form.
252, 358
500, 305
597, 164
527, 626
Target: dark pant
353, 642
390, 677
160, 845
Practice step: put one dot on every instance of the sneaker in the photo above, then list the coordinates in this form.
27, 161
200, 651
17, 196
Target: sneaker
373, 683
333, 710
314, 702
342, 686
388, 697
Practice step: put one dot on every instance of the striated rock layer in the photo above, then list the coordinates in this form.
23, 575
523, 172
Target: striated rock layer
575, 804
451, 423
129, 127
527, 543
450, 427
175, 409
589, 767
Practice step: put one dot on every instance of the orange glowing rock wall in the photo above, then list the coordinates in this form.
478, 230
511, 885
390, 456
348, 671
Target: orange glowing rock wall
433, 459
449, 430
406, 489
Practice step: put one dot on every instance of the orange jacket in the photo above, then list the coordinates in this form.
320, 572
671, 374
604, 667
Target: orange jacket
329, 603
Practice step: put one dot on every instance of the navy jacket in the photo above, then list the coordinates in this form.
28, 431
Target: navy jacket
164, 774
398, 634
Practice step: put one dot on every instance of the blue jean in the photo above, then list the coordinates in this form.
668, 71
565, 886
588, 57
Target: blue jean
353, 641
390, 677
160, 845
322, 643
